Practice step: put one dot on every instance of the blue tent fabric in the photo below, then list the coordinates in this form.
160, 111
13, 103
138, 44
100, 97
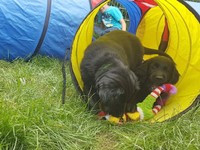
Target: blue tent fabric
18, 23
22, 24
62, 27
134, 14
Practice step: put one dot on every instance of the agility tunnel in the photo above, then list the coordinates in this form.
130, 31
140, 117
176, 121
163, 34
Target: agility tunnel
45, 27
183, 45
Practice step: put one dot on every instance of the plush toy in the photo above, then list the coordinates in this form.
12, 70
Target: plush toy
168, 89
128, 116
112, 119
152, 104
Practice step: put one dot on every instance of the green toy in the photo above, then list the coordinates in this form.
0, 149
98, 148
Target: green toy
146, 110
154, 102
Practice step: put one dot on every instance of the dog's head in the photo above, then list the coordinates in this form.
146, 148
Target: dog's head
115, 87
158, 70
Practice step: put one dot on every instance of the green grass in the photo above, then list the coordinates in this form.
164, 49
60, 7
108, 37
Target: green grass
32, 116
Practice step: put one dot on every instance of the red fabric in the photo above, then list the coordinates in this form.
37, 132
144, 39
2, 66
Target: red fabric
156, 109
157, 91
144, 8
165, 36
96, 2
102, 113
152, 2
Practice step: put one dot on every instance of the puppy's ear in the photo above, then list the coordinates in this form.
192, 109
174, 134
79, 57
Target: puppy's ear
133, 81
142, 71
175, 76
119, 91
107, 94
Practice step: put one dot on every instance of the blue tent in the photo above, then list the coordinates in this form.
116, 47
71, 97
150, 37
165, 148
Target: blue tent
47, 27
41, 26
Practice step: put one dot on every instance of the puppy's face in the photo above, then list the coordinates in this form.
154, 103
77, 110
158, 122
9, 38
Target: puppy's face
115, 88
162, 70
157, 71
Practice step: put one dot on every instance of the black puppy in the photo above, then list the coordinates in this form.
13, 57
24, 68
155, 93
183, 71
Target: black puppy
152, 73
106, 71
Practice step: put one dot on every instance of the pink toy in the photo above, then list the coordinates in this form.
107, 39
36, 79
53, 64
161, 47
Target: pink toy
165, 91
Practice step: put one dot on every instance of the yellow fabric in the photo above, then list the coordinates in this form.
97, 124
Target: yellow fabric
183, 46
82, 39
151, 28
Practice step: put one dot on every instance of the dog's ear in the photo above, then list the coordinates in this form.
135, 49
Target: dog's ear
106, 93
175, 76
133, 81
142, 71
119, 91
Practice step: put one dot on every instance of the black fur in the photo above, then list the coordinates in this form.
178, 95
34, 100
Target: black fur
109, 69
152, 73
106, 71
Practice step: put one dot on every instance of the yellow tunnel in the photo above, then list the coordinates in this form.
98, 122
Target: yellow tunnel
183, 47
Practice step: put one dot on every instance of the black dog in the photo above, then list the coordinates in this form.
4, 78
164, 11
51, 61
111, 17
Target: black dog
152, 73
106, 71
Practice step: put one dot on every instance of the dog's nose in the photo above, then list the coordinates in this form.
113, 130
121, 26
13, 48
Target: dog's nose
159, 77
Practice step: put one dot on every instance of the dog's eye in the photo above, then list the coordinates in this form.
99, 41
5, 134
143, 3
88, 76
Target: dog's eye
166, 68
155, 65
